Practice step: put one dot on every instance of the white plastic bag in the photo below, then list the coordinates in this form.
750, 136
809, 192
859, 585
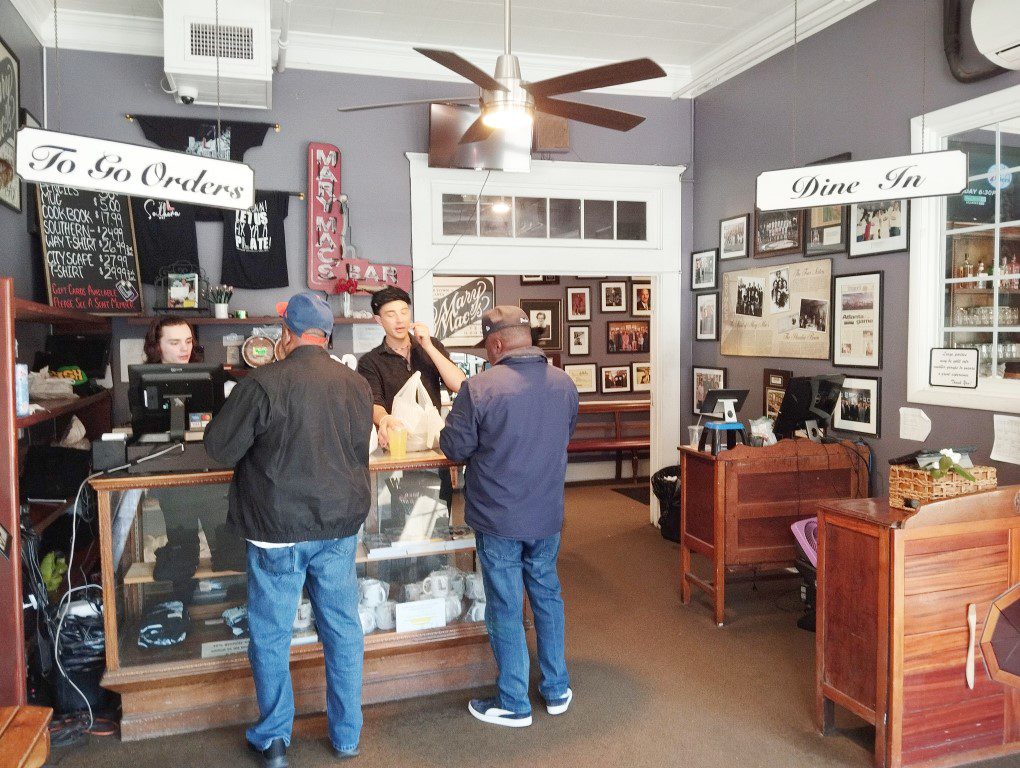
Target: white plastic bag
413, 406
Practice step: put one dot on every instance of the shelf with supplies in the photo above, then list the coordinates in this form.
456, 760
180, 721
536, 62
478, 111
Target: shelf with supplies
250, 320
33, 312
421, 599
61, 406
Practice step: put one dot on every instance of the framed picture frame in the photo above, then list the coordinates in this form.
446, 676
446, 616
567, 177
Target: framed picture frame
641, 376
774, 382
826, 230
546, 315
584, 377
706, 317
554, 359
10, 122
540, 279
859, 408
882, 227
628, 337
857, 320
641, 299
733, 236
613, 295
703, 380
578, 303
578, 340
778, 233
614, 378
28, 119
705, 270
182, 290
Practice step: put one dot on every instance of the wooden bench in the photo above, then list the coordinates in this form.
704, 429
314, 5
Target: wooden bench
24, 736
625, 437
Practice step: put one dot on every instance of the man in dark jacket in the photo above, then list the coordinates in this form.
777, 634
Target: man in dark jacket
298, 432
510, 425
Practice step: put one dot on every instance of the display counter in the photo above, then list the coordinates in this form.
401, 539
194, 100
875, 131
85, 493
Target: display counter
163, 539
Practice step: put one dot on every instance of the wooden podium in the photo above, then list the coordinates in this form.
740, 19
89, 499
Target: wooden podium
737, 507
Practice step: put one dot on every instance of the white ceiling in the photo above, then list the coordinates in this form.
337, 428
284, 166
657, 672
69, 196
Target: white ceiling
698, 42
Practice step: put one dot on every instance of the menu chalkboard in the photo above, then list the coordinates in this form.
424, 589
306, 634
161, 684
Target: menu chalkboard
88, 241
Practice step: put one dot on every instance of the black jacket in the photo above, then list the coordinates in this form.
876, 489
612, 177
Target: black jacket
298, 432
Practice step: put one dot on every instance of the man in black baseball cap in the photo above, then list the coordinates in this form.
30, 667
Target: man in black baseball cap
510, 425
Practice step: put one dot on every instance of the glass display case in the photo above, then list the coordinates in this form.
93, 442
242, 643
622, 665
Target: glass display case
175, 585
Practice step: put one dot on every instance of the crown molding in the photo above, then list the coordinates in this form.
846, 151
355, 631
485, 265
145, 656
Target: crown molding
36, 14
763, 41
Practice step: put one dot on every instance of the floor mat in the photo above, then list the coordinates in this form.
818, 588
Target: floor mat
642, 495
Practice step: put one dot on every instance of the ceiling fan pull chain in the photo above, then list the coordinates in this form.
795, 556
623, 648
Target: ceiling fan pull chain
506, 27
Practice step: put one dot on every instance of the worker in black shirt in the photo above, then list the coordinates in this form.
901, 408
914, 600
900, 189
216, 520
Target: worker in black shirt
408, 347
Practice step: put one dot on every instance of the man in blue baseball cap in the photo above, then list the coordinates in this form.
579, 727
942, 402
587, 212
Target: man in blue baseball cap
298, 432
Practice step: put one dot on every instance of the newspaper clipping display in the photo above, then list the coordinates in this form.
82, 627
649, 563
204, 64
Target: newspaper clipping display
778, 311
857, 322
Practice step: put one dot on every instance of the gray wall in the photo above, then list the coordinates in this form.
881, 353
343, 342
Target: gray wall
859, 84
14, 240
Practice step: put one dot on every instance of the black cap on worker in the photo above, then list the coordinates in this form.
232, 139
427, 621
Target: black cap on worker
388, 294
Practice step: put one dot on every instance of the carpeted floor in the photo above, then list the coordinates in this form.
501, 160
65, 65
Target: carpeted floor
656, 683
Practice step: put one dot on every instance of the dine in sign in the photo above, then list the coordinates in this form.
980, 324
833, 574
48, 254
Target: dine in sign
926, 174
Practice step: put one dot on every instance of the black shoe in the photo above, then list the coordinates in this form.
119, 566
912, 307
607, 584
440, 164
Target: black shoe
273, 756
346, 754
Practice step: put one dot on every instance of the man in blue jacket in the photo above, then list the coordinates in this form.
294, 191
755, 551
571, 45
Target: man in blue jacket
510, 425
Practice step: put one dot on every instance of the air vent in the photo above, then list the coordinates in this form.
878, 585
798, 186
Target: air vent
236, 42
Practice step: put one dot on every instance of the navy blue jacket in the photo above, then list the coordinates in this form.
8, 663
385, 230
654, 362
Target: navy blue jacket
510, 425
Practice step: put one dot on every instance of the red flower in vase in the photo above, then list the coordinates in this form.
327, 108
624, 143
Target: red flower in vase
346, 285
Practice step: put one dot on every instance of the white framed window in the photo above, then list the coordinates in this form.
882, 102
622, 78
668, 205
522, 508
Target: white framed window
965, 254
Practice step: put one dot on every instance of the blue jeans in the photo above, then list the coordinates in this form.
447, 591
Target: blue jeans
275, 579
509, 567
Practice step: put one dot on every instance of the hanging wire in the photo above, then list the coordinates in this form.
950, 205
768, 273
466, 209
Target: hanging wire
796, 80
56, 58
924, 77
219, 128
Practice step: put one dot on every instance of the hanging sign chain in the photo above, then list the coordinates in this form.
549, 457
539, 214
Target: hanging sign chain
924, 79
796, 80
219, 129
56, 58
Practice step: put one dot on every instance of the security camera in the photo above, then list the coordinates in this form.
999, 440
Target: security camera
187, 94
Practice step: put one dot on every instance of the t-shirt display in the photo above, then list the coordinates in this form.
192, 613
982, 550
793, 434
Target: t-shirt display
254, 247
198, 137
165, 235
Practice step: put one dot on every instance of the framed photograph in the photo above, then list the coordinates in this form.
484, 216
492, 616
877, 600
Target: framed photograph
553, 359
540, 279
641, 375
704, 381
733, 237
859, 408
706, 317
583, 377
578, 304
628, 337
578, 340
546, 317
827, 230
857, 320
614, 296
774, 381
778, 233
641, 299
28, 119
182, 290
704, 270
615, 378
882, 227
10, 122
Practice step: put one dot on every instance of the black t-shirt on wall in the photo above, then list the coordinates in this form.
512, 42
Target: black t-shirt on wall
254, 247
198, 137
165, 235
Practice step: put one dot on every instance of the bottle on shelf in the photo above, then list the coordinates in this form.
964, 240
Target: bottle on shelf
967, 268
1014, 271
980, 273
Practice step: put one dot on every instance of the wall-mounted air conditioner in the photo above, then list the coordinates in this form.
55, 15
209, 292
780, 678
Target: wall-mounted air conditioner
245, 48
995, 25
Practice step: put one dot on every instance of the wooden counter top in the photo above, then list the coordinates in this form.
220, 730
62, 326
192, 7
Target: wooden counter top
1002, 503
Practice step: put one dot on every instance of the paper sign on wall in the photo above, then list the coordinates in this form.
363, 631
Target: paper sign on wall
1007, 439
914, 424
953, 368
889, 178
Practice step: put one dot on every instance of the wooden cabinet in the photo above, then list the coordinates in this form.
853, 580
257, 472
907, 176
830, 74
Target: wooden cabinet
737, 507
894, 589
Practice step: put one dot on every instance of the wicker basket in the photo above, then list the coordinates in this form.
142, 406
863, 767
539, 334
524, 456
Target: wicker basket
911, 483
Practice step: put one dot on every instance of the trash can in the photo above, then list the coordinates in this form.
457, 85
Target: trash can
666, 487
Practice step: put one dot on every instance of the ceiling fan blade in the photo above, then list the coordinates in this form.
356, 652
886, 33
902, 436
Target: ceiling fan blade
463, 67
597, 77
454, 100
588, 113
477, 131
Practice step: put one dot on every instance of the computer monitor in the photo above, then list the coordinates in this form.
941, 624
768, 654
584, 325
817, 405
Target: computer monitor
164, 398
731, 400
808, 404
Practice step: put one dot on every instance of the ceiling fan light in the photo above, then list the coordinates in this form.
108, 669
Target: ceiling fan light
507, 116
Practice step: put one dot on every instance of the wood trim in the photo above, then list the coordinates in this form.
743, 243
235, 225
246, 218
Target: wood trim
893, 660
109, 582
34, 312
884, 675
849, 703
822, 691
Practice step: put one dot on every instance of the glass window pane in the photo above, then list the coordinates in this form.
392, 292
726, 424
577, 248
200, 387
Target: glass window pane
564, 218
460, 215
530, 215
598, 219
981, 341
971, 255
631, 220
1009, 170
1009, 354
976, 204
496, 219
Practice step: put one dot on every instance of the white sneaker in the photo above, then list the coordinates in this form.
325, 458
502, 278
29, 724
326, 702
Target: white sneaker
490, 711
559, 706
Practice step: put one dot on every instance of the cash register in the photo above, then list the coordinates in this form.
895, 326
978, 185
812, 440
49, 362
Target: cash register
170, 406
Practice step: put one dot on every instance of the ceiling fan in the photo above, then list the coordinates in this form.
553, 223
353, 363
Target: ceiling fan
507, 101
